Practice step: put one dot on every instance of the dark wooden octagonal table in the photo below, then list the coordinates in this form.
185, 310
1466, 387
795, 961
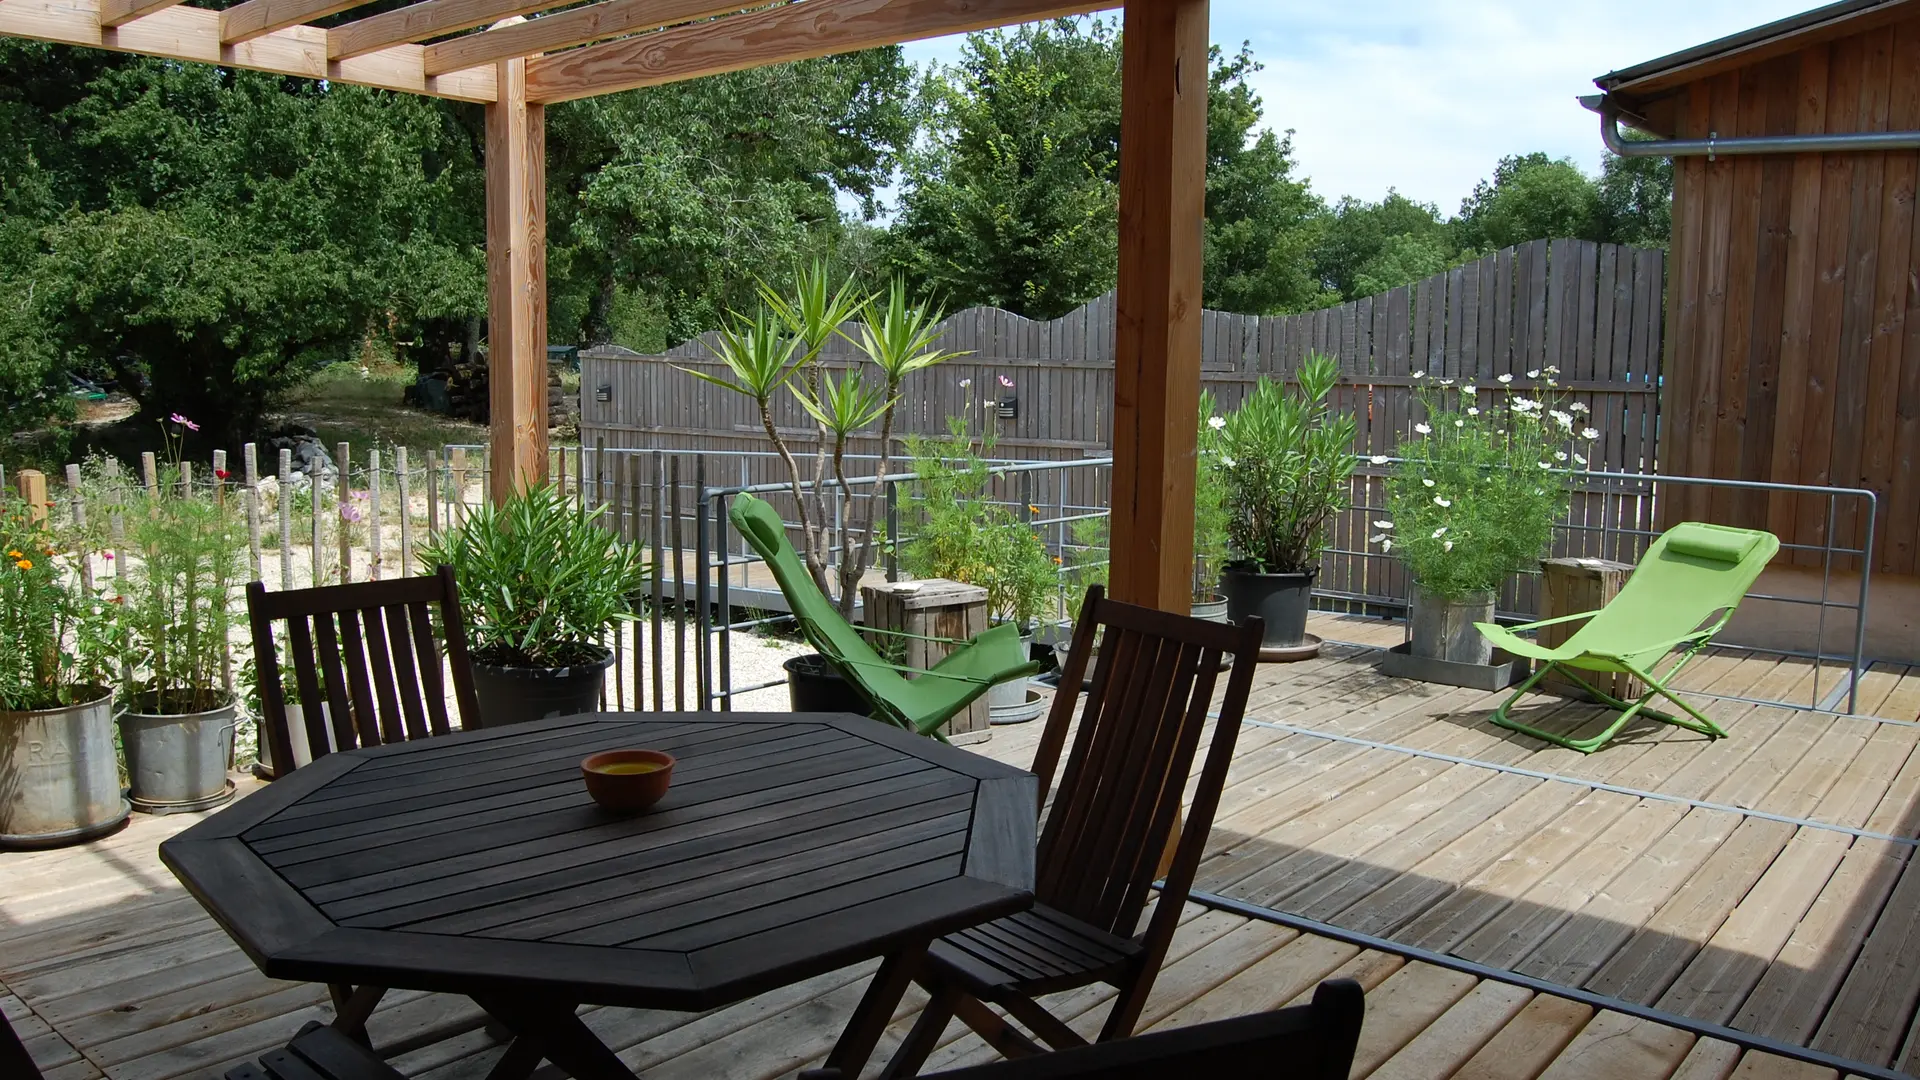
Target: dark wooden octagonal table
790, 844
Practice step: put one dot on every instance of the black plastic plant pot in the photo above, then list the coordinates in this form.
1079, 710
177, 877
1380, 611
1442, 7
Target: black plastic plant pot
1283, 600
814, 686
516, 695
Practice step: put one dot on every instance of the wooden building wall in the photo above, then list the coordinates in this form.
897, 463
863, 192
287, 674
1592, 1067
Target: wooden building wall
1794, 343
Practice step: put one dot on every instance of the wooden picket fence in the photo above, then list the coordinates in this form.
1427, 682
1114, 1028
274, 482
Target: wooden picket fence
1043, 390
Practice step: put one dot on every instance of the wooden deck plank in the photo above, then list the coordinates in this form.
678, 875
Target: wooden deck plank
1615, 1045
1450, 1041
1402, 1007
1524, 1048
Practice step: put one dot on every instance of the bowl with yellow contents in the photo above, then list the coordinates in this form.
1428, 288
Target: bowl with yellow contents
627, 781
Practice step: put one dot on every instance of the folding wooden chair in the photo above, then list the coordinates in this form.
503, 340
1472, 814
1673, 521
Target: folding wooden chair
366, 650
1102, 842
1307, 1042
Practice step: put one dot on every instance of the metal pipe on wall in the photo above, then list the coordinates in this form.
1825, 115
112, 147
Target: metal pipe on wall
1714, 146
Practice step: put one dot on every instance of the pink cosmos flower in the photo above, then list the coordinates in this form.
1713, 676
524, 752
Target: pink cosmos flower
184, 422
1006, 382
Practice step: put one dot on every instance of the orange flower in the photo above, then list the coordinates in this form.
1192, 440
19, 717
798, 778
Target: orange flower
13, 555
25, 564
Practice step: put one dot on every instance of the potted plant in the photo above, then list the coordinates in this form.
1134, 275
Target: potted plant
1284, 462
59, 778
541, 581
1210, 545
1473, 500
187, 557
961, 534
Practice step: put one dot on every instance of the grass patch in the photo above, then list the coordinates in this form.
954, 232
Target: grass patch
360, 405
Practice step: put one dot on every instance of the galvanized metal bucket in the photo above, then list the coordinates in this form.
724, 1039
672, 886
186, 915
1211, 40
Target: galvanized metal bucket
177, 763
1009, 699
1442, 629
59, 777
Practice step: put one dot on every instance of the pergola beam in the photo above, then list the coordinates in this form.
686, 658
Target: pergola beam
253, 18
1156, 382
428, 18
576, 26
190, 33
793, 31
115, 12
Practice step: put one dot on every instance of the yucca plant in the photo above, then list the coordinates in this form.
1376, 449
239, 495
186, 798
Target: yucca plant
764, 352
540, 579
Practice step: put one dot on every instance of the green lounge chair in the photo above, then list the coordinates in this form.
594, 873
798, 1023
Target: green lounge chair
919, 704
1692, 574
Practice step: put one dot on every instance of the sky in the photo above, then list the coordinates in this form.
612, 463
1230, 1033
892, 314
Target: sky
1426, 96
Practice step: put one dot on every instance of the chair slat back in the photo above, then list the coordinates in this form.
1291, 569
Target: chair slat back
1120, 792
369, 652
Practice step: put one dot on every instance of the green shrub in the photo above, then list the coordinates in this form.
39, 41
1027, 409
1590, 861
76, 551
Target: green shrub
1285, 460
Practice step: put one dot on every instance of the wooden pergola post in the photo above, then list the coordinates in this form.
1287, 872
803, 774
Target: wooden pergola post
1156, 389
516, 283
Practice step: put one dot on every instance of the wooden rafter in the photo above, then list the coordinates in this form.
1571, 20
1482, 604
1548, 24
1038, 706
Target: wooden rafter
249, 20
191, 33
794, 31
115, 12
419, 21
576, 26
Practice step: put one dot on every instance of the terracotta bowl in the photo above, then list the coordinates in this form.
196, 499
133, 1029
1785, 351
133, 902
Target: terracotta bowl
627, 781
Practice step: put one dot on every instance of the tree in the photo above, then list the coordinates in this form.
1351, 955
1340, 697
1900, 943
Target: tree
1636, 199
1261, 223
670, 200
213, 235
1530, 197
1367, 247
1013, 197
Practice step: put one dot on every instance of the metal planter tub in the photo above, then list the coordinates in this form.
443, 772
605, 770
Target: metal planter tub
59, 777
177, 762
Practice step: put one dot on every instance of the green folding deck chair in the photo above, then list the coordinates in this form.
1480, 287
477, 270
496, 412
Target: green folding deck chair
1693, 573
919, 704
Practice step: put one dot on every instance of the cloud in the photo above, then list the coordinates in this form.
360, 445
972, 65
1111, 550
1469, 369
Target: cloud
1427, 95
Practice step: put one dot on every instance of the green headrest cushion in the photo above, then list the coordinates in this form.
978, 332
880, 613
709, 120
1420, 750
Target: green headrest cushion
1716, 543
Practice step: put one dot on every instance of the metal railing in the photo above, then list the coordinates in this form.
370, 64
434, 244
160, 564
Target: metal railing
704, 588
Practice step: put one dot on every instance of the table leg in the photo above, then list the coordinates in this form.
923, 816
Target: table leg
558, 1035
875, 1011
518, 1063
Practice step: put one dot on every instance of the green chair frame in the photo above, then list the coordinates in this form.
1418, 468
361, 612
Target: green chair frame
921, 704
1684, 591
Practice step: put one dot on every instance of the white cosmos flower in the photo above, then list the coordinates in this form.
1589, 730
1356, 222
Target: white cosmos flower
1378, 538
1379, 459
1446, 382
1442, 502
1577, 407
1546, 464
1439, 532
1578, 460
1590, 434
1419, 374
1216, 422
1386, 545
1473, 412
1534, 374
1423, 429
1459, 423
1551, 370
1383, 524
1506, 378
1429, 483
1469, 389
1559, 455
1227, 461
1446, 545
964, 383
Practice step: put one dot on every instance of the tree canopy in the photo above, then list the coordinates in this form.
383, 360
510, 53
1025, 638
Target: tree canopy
208, 237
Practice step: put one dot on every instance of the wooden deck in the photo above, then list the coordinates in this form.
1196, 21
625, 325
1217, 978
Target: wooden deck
1760, 882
